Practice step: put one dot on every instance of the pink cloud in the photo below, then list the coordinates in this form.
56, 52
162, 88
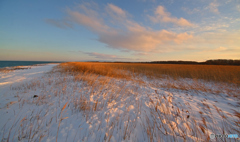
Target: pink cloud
88, 20
161, 15
140, 54
220, 49
213, 7
143, 41
127, 34
101, 56
107, 56
59, 23
116, 10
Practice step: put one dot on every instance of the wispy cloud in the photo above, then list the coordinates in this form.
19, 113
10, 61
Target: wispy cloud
238, 7
140, 54
220, 50
209, 7
191, 11
116, 10
213, 7
125, 34
101, 56
88, 18
215, 50
231, 39
59, 23
161, 15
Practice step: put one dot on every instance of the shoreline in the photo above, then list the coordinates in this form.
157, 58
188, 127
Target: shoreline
11, 64
22, 73
23, 67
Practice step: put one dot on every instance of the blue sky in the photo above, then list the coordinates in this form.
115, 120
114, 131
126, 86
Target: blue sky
119, 30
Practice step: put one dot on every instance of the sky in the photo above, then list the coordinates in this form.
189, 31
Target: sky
119, 30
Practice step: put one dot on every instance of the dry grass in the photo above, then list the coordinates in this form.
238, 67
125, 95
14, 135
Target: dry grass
217, 73
104, 69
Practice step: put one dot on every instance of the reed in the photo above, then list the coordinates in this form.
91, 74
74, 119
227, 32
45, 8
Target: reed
216, 73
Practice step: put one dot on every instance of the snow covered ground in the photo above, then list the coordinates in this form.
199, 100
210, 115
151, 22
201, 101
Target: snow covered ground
88, 107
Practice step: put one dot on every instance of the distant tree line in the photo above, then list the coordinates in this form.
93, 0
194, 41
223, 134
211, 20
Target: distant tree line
174, 62
208, 62
222, 62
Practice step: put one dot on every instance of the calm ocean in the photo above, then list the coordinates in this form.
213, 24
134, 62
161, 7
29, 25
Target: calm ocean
22, 63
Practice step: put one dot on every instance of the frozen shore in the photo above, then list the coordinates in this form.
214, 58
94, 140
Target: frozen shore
87, 107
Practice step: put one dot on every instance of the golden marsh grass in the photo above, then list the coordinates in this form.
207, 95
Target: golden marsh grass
216, 73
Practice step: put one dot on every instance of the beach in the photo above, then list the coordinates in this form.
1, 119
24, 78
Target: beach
48, 103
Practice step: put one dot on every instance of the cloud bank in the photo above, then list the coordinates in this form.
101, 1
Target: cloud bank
115, 28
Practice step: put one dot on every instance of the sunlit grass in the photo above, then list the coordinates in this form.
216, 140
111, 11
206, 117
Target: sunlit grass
217, 73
